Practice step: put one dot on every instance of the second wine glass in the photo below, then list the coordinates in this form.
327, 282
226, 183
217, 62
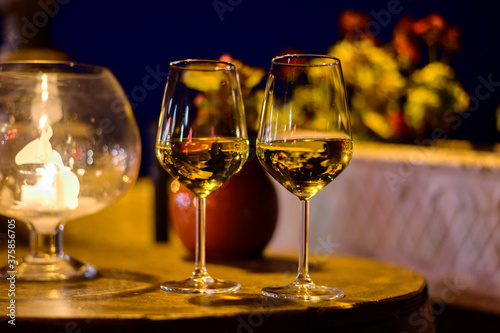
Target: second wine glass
202, 141
304, 142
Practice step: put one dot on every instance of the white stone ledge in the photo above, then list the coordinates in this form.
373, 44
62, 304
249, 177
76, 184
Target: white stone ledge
436, 210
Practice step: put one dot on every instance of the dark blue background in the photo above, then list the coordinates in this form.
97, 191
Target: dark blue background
129, 36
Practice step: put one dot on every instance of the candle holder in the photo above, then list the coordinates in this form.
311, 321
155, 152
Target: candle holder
69, 147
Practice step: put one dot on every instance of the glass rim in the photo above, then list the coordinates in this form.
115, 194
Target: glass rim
48, 63
278, 60
65, 70
183, 64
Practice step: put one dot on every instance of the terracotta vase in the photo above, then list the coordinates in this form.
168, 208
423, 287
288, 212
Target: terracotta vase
241, 215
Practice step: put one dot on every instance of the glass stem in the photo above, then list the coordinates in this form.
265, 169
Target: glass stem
303, 274
46, 245
200, 270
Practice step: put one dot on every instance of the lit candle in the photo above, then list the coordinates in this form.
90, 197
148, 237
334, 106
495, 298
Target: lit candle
58, 187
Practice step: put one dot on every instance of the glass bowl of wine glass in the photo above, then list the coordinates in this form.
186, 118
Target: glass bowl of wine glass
304, 143
202, 141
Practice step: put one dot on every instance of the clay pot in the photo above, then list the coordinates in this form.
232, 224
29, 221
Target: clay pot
241, 215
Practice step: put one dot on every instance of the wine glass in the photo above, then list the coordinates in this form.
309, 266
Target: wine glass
69, 147
202, 141
304, 142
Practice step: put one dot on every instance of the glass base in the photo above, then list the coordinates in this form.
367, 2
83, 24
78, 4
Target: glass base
201, 285
56, 268
303, 292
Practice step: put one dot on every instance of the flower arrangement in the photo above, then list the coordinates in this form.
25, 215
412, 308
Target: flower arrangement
391, 98
250, 78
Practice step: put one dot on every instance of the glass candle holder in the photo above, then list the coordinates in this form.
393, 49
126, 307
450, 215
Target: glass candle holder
70, 147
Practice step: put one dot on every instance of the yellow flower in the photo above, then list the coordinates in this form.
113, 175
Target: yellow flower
435, 74
433, 90
424, 96
419, 101
378, 124
369, 68
202, 81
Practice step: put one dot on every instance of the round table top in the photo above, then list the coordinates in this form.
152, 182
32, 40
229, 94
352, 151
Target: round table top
127, 294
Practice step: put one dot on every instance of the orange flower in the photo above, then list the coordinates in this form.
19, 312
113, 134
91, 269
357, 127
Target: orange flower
352, 25
450, 41
406, 50
430, 28
404, 25
351, 19
397, 122
437, 21
405, 42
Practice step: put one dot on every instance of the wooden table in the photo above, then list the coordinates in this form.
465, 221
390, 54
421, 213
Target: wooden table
126, 297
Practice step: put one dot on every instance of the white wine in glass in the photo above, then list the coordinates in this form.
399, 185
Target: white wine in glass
304, 142
202, 141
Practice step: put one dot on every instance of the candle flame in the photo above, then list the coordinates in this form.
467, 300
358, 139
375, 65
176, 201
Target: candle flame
44, 83
43, 121
45, 96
